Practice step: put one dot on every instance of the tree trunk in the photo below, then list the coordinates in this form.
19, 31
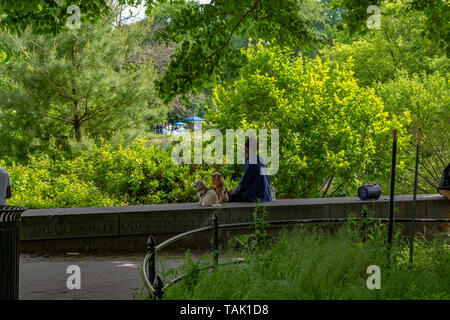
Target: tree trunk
77, 122
77, 127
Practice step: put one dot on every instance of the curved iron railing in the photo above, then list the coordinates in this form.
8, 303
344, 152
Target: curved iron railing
161, 246
156, 285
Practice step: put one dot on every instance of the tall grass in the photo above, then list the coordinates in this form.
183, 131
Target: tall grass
312, 263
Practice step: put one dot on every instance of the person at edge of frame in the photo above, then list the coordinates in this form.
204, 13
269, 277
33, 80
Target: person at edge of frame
5, 187
444, 185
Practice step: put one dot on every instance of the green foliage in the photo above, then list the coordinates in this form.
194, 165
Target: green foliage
354, 13
436, 12
69, 90
192, 269
203, 50
427, 98
330, 128
438, 17
48, 16
74, 84
258, 239
105, 175
195, 106
324, 18
309, 263
400, 43
204, 53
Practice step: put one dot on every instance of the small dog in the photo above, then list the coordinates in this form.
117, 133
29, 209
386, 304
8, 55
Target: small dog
205, 195
219, 186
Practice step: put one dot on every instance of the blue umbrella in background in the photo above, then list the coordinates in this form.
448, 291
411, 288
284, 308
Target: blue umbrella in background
195, 118
179, 124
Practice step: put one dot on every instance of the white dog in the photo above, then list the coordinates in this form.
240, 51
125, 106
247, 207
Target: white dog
205, 195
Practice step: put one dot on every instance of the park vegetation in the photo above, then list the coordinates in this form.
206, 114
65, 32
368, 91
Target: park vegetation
78, 106
330, 128
107, 175
311, 262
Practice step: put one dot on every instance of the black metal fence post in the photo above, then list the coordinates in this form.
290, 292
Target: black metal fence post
151, 261
9, 251
391, 199
413, 214
364, 222
392, 193
158, 289
215, 244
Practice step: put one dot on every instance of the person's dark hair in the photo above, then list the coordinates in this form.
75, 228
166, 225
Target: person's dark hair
247, 142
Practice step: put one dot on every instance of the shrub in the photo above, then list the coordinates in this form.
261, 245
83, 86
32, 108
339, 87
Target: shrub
106, 175
427, 98
310, 264
331, 130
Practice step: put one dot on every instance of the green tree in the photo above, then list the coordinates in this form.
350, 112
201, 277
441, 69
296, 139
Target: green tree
436, 12
438, 17
427, 98
86, 82
204, 32
48, 16
331, 130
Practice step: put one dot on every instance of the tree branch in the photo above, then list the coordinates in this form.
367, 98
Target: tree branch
233, 30
58, 118
37, 68
328, 187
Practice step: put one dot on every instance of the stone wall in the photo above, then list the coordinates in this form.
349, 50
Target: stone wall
110, 228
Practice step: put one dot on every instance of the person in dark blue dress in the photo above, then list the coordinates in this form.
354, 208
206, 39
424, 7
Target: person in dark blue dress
253, 185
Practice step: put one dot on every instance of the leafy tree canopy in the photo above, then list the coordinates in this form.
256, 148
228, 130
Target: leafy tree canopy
437, 14
401, 43
48, 16
86, 82
331, 130
203, 31
427, 98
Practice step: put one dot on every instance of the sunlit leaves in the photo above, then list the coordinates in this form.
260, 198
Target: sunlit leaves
49, 16
329, 126
87, 82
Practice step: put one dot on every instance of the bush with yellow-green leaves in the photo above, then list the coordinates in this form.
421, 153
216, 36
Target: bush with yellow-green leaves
331, 129
106, 175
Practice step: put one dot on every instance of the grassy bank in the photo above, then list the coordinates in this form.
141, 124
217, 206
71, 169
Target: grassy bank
313, 264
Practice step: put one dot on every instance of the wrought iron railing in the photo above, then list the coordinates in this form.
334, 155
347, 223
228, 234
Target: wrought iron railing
9, 251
